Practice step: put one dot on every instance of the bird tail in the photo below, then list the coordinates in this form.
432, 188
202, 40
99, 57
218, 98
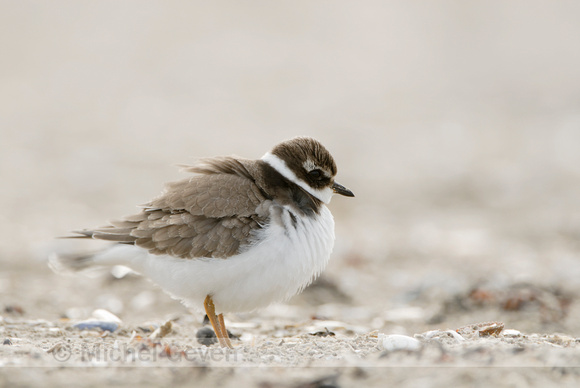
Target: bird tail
94, 263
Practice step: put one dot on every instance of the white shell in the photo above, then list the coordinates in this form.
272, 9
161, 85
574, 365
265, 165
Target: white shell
511, 333
398, 342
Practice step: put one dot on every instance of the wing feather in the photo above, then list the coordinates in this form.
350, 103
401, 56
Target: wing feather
211, 214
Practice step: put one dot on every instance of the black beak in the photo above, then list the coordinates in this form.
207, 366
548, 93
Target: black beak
340, 189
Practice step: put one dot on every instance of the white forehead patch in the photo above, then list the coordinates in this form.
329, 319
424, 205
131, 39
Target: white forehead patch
279, 165
309, 165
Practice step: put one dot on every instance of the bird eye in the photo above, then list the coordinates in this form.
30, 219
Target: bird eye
316, 174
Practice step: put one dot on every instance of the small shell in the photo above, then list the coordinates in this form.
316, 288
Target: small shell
162, 331
398, 342
511, 333
101, 325
104, 315
482, 329
492, 329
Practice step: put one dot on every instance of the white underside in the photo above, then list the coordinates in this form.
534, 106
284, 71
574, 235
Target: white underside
284, 260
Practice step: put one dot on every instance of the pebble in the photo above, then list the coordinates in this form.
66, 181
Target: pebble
439, 333
206, 336
162, 330
93, 324
104, 315
100, 319
455, 335
398, 342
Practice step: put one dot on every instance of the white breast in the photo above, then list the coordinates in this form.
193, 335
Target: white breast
286, 257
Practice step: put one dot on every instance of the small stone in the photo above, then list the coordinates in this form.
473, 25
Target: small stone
325, 333
101, 325
104, 315
7, 342
162, 331
14, 309
206, 336
399, 342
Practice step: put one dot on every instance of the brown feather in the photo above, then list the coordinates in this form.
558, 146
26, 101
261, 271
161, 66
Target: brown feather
216, 212
211, 214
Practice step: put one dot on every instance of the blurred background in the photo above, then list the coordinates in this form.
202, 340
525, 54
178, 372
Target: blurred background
456, 124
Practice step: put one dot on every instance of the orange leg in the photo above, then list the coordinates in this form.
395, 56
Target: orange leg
210, 311
225, 331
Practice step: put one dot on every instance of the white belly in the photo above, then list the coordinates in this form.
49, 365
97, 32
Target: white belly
283, 261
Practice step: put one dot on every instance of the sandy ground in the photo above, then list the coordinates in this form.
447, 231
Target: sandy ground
456, 124
331, 335
303, 343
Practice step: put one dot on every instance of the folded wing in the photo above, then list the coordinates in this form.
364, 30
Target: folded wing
212, 214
